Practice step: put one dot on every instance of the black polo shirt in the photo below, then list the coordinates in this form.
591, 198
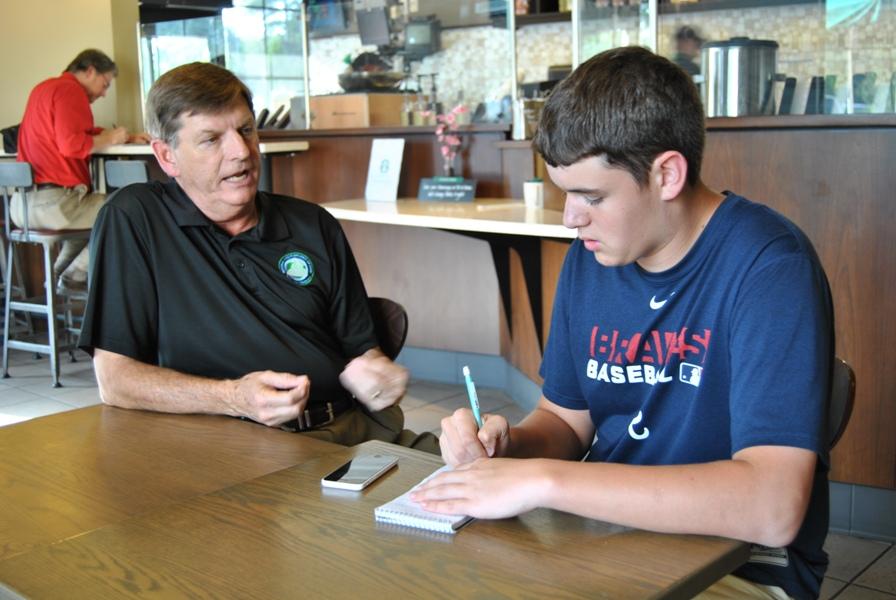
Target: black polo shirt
170, 288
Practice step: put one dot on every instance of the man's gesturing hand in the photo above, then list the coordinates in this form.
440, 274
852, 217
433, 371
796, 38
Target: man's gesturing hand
269, 397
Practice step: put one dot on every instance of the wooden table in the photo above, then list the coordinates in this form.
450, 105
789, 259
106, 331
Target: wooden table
484, 215
72, 472
504, 223
281, 535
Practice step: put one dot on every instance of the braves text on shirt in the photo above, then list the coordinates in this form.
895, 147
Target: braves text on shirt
651, 358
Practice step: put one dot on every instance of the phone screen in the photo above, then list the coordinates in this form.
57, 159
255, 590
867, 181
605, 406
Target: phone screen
360, 471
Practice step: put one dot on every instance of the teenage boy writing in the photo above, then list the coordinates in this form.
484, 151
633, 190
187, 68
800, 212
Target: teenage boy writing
690, 349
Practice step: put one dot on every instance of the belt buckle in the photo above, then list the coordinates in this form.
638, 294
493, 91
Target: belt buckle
331, 414
304, 418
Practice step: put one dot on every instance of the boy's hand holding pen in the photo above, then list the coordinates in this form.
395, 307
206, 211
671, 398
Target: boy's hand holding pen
474, 399
463, 440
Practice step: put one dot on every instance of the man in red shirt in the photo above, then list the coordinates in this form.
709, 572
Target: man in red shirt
57, 137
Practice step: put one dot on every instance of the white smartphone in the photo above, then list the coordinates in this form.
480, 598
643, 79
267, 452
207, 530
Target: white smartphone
359, 472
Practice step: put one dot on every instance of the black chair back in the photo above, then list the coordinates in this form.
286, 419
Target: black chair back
391, 323
842, 398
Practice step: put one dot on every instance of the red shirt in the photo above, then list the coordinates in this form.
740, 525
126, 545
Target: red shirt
57, 131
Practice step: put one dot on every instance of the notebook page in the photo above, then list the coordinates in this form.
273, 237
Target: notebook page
405, 512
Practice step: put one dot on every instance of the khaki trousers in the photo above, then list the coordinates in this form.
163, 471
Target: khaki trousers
358, 425
62, 208
731, 587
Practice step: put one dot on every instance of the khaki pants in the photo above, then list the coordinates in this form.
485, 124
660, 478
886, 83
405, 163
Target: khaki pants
357, 425
730, 587
62, 208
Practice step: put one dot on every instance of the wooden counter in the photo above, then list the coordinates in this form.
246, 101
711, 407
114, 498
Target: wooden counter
321, 174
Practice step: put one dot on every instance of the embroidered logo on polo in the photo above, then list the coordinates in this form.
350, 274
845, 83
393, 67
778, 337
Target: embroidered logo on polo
298, 267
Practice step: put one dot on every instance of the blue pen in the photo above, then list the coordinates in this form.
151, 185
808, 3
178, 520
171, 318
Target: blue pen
474, 399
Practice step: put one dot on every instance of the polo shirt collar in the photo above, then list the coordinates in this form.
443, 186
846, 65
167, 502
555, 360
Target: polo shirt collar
271, 224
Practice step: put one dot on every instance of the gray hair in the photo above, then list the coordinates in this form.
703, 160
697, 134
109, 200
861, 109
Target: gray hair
194, 88
92, 58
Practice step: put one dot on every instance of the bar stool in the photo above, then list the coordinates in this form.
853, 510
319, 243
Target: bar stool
17, 286
118, 173
18, 177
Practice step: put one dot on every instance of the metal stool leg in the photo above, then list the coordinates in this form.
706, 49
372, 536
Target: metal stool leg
18, 273
52, 327
11, 275
7, 314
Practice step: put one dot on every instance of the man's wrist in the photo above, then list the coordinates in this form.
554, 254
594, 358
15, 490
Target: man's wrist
231, 394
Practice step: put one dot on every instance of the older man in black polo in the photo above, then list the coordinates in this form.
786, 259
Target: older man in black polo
208, 296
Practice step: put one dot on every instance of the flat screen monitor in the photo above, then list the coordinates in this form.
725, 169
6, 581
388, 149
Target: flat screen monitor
373, 26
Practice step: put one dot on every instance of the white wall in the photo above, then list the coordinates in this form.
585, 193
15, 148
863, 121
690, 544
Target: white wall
41, 37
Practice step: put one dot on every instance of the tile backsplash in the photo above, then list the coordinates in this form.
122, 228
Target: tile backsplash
475, 62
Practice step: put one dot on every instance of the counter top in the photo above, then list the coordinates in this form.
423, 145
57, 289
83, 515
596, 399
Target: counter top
487, 215
273, 134
273, 147
802, 121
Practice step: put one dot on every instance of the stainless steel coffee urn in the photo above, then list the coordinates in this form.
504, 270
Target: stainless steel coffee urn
738, 76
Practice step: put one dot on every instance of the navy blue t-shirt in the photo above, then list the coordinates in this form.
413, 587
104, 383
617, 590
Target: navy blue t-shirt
728, 349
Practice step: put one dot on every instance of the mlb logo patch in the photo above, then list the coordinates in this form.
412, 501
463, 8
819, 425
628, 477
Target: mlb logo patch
690, 374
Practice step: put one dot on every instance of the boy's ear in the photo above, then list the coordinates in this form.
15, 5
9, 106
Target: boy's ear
670, 172
166, 157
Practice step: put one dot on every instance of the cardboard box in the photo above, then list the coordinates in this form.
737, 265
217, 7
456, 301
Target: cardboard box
341, 111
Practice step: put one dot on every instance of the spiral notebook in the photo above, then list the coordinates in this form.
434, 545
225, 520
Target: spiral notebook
407, 513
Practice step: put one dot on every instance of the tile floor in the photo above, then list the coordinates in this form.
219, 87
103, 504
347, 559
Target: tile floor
860, 569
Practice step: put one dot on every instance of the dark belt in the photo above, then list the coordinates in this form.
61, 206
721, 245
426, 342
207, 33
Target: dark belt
319, 415
47, 186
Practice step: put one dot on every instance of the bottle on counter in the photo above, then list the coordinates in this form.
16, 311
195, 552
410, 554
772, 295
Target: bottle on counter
518, 128
407, 110
463, 117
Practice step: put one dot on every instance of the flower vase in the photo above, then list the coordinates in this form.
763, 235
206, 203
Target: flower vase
448, 169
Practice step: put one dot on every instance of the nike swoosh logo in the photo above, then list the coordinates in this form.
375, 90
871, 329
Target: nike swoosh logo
657, 305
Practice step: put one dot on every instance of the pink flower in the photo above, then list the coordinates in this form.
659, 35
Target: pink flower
449, 141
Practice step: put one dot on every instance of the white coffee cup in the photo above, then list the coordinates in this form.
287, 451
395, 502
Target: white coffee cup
533, 193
